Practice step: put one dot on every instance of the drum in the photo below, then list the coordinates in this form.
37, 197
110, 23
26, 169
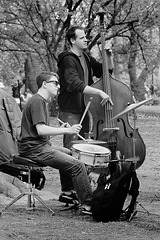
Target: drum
91, 154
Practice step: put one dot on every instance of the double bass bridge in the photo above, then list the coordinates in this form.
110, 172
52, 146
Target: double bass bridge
112, 129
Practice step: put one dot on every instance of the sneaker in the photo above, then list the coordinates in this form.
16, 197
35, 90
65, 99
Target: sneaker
86, 209
69, 198
86, 212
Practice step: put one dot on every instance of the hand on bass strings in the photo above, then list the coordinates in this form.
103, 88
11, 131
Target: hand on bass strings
105, 98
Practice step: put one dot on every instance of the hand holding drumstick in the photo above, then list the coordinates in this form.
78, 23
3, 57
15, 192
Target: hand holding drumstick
77, 127
73, 129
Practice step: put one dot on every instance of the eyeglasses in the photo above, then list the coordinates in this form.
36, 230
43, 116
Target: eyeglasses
55, 82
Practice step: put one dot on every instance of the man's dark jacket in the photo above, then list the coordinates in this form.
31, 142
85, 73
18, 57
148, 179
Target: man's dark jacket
72, 83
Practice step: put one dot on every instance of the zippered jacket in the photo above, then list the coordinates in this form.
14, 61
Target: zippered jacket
72, 83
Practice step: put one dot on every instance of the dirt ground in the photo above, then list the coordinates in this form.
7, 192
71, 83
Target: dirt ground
17, 223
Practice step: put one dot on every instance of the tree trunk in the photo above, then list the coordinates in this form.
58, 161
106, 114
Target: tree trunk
137, 87
30, 74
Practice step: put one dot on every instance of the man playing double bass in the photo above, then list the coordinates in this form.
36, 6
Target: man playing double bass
76, 71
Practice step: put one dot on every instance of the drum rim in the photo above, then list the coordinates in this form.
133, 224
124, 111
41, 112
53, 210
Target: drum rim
88, 141
92, 154
108, 152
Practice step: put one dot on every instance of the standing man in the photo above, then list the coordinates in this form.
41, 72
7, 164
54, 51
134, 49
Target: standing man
76, 69
34, 142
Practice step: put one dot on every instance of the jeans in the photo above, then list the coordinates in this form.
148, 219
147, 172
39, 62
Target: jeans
72, 119
73, 171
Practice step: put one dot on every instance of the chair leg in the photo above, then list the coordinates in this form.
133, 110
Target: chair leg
30, 194
43, 203
13, 201
29, 207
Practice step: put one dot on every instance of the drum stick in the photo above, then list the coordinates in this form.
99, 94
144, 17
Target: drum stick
69, 126
87, 107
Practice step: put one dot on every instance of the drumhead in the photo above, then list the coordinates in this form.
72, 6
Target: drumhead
91, 148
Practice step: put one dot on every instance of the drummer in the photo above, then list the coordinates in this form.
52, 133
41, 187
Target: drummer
75, 73
34, 143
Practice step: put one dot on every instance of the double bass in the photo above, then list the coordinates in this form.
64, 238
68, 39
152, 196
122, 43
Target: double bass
119, 134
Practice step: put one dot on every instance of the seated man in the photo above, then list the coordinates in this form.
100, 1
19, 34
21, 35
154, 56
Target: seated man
34, 140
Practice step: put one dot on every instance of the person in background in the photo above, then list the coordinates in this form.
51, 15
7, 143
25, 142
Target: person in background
34, 142
76, 69
28, 95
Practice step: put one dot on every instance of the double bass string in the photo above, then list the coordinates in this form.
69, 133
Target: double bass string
111, 129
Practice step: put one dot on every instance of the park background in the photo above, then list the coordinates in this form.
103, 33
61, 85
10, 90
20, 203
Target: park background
32, 36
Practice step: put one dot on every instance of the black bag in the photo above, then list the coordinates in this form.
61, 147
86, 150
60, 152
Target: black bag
110, 195
10, 123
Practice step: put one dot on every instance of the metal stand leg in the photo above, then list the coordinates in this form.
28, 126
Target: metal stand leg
29, 205
135, 211
30, 194
155, 197
11, 203
143, 207
43, 203
134, 155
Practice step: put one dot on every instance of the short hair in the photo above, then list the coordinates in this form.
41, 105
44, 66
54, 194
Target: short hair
71, 33
44, 77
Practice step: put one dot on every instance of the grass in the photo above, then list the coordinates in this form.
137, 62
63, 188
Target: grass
149, 109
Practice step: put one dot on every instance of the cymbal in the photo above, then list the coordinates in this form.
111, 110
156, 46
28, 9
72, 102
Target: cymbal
89, 140
131, 107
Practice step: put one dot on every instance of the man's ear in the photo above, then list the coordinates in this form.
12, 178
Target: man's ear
44, 84
72, 40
